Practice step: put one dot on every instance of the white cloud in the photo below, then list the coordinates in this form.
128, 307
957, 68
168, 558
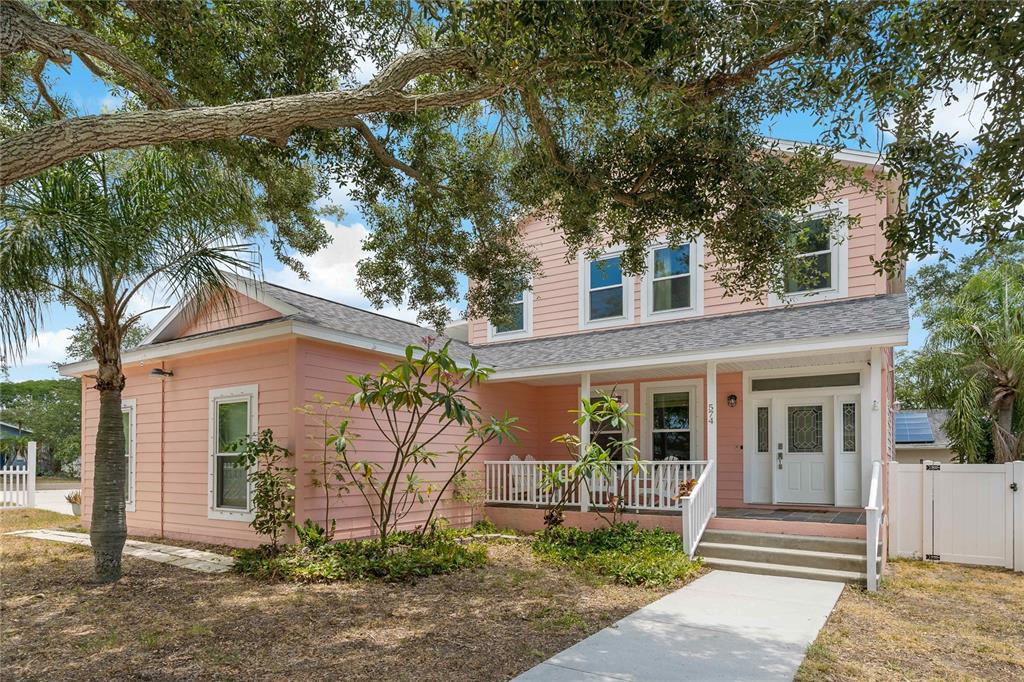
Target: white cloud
45, 348
332, 271
964, 116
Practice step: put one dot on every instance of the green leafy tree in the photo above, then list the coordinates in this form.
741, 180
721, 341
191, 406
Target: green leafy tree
83, 339
414, 405
92, 234
983, 336
597, 461
273, 485
52, 410
622, 121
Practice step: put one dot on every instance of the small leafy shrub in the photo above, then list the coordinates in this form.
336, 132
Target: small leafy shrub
624, 552
312, 535
273, 496
403, 556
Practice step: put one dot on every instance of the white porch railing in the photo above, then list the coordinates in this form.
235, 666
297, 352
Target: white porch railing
18, 485
654, 488
699, 507
873, 516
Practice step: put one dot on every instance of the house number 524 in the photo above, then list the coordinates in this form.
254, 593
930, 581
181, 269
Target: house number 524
711, 413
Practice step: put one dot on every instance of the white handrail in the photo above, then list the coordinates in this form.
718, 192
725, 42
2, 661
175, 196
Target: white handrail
873, 514
699, 508
655, 487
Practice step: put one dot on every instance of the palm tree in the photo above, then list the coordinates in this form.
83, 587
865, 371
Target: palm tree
983, 336
94, 234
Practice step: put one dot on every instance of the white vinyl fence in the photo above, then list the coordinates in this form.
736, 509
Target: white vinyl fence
961, 513
18, 483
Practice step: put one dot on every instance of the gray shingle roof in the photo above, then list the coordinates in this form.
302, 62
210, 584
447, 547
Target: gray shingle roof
346, 318
875, 314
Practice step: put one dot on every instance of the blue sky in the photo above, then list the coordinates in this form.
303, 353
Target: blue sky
332, 270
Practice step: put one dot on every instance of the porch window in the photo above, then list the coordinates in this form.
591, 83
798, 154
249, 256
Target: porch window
128, 425
605, 295
232, 418
670, 432
622, 395
670, 279
763, 430
849, 427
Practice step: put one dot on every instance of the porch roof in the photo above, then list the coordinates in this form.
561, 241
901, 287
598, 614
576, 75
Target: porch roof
875, 320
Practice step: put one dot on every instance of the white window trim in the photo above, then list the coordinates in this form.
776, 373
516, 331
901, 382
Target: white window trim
217, 395
839, 248
128, 405
647, 312
584, 297
527, 330
695, 387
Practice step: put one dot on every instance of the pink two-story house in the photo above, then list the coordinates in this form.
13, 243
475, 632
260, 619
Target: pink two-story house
780, 410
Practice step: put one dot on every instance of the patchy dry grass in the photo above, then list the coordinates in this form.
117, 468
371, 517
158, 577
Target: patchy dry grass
166, 623
930, 621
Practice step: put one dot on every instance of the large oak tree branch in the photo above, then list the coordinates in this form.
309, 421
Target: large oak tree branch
36, 150
21, 31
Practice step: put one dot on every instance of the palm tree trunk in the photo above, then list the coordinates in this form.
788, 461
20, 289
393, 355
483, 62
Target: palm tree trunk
108, 530
1003, 442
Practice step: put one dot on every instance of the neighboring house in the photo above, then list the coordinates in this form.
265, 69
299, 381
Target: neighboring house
12, 443
921, 435
779, 409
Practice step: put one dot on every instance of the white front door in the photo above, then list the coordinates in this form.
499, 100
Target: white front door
804, 457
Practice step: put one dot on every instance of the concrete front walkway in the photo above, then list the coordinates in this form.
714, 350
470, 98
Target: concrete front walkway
722, 626
192, 559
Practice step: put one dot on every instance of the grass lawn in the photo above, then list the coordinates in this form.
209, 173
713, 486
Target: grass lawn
930, 621
481, 624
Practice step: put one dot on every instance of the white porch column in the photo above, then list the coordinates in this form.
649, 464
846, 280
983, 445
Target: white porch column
711, 430
585, 440
873, 445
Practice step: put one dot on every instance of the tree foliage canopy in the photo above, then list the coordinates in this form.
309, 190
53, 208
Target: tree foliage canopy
622, 120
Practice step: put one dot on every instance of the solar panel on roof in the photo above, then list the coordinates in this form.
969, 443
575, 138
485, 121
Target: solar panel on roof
913, 427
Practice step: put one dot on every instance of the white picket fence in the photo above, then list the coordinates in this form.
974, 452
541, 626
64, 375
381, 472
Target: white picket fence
18, 484
652, 487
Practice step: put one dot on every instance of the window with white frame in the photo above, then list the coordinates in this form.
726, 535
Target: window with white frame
607, 435
673, 421
816, 260
673, 285
233, 417
608, 293
821, 268
518, 323
128, 426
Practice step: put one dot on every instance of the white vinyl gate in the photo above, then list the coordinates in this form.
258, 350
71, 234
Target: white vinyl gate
962, 513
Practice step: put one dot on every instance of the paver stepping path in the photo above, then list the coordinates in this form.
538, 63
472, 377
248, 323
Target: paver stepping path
722, 626
192, 559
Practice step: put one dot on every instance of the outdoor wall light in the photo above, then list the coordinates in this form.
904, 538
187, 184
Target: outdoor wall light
158, 372
731, 400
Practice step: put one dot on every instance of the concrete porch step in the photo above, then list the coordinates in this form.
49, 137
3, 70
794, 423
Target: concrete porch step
809, 543
783, 556
783, 570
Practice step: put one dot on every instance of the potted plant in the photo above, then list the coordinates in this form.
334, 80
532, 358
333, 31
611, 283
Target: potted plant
74, 498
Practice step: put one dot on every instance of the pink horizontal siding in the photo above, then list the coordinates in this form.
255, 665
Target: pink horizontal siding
556, 289
244, 310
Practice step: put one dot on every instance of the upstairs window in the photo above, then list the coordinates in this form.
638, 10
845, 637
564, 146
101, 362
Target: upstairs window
606, 294
518, 323
814, 244
671, 281
822, 251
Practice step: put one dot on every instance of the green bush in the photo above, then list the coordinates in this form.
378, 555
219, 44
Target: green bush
624, 552
403, 556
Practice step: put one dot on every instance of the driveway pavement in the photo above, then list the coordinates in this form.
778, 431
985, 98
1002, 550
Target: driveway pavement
53, 500
722, 626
